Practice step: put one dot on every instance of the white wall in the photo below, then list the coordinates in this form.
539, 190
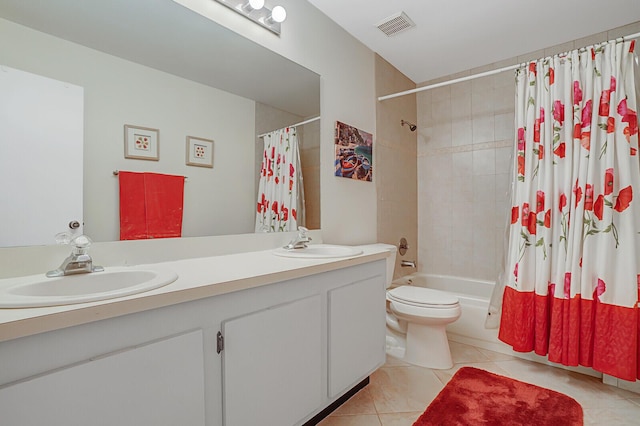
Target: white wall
346, 68
117, 92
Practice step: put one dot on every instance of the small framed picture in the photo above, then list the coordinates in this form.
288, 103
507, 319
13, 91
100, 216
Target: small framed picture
141, 143
199, 152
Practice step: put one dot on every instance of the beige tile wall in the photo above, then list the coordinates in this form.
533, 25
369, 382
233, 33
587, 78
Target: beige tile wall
395, 167
464, 161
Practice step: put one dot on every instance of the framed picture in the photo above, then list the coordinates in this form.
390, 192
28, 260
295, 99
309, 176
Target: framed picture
141, 143
199, 152
354, 153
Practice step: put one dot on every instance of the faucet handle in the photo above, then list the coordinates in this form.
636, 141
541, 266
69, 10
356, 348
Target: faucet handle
81, 243
62, 238
303, 233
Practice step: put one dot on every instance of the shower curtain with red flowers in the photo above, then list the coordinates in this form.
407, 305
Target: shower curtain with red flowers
280, 198
573, 262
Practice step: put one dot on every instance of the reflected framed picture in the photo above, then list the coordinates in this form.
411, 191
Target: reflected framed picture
199, 152
141, 143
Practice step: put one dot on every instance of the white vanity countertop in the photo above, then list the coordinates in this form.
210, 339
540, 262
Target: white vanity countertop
197, 279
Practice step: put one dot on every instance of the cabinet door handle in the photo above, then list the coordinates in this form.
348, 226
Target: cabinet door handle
219, 342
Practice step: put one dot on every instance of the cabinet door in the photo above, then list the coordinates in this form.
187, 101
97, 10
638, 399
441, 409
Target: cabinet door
357, 321
272, 364
161, 383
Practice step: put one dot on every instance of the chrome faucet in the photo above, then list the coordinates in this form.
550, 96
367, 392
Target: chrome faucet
78, 262
300, 241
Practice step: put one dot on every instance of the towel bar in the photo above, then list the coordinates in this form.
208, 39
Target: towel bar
116, 172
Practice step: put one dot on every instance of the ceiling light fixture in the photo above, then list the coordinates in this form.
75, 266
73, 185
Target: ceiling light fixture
252, 5
278, 14
256, 11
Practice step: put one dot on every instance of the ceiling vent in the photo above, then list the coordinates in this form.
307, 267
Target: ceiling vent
395, 24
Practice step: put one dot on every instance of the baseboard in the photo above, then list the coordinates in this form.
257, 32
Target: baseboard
337, 403
622, 384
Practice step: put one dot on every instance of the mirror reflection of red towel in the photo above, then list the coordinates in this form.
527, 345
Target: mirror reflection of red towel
150, 205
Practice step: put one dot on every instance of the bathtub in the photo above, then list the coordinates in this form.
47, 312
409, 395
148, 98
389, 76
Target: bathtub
474, 296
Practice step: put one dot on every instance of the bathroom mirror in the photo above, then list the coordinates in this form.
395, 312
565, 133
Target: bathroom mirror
157, 64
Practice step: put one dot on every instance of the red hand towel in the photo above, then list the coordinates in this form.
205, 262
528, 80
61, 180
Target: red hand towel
150, 205
133, 219
164, 200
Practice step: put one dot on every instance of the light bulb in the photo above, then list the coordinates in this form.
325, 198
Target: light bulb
279, 14
256, 4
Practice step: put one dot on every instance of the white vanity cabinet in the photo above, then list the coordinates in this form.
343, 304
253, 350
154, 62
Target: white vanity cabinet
280, 362
272, 364
357, 332
291, 348
161, 383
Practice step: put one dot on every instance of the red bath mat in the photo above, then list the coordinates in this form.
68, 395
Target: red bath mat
477, 397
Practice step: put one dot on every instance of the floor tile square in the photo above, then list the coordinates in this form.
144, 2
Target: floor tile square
399, 419
403, 389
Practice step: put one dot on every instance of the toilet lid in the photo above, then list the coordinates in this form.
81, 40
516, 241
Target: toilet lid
422, 296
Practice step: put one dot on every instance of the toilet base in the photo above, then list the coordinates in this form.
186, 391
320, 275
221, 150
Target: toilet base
428, 346
395, 344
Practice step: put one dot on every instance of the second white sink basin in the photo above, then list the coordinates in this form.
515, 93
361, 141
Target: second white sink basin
38, 290
319, 251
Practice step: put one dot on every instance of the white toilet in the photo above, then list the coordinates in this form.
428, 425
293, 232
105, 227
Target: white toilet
416, 321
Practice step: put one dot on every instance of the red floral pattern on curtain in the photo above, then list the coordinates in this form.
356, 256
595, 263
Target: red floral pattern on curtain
280, 180
574, 243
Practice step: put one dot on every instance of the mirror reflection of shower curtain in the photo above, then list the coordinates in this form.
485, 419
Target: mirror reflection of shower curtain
280, 206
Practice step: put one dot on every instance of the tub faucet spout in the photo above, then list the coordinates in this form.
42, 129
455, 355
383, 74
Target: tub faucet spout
408, 263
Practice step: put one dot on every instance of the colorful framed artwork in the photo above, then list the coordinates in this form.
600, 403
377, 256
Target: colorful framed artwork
199, 152
141, 143
354, 153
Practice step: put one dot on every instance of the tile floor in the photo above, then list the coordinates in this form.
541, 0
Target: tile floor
399, 392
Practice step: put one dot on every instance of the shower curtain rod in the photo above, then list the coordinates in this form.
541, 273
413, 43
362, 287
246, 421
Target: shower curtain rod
311, 120
482, 74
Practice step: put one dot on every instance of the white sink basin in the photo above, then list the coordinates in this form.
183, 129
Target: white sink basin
319, 251
37, 290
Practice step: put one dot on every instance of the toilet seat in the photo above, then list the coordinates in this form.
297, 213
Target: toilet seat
422, 297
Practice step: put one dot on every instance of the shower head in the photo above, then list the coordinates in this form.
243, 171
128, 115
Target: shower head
412, 127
